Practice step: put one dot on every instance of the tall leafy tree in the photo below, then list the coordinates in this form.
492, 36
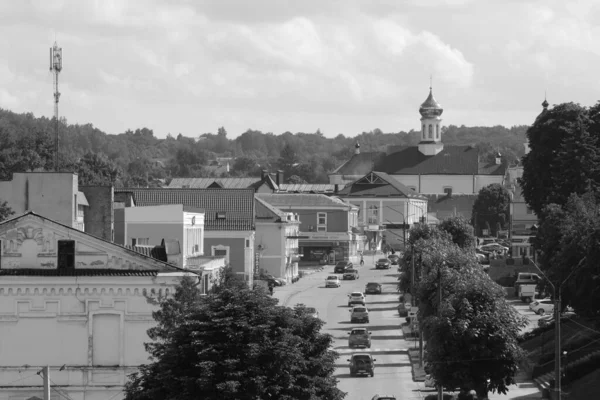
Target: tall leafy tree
460, 230
5, 210
491, 206
235, 343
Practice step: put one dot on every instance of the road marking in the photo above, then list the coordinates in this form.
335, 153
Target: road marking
371, 351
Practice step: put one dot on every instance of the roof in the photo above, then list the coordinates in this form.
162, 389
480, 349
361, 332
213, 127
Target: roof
304, 200
443, 206
379, 184
203, 183
76, 272
360, 164
307, 187
265, 211
237, 204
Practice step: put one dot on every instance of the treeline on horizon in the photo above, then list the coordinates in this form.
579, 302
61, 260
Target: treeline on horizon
138, 158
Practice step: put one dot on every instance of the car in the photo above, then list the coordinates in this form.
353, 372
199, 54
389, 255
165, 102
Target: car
481, 258
549, 319
341, 267
350, 274
359, 337
378, 397
373, 288
356, 298
362, 363
494, 247
485, 241
394, 259
383, 263
542, 306
359, 314
275, 280
333, 281
526, 278
308, 310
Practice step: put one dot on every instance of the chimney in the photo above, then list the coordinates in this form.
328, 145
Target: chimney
263, 174
337, 188
279, 179
357, 148
498, 158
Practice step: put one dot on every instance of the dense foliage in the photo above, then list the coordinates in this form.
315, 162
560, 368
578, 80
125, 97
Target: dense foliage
5, 210
138, 158
491, 209
235, 343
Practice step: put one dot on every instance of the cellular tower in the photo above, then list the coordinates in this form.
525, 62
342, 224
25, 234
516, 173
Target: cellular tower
55, 68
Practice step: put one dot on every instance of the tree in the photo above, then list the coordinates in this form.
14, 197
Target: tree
245, 166
96, 169
295, 179
563, 156
235, 343
491, 206
5, 211
460, 230
470, 328
288, 159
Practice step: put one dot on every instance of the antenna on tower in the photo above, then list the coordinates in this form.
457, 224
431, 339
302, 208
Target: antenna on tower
55, 68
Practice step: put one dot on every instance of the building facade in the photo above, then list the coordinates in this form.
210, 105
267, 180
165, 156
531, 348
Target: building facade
428, 168
75, 303
328, 225
387, 209
277, 235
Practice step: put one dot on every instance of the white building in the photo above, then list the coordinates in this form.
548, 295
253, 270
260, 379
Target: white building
430, 167
75, 303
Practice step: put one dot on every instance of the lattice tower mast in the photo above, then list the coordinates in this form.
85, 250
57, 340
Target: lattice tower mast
55, 68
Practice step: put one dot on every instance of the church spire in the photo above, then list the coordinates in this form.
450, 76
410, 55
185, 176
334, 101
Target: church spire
431, 136
545, 103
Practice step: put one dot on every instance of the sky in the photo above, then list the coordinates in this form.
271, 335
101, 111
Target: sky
338, 66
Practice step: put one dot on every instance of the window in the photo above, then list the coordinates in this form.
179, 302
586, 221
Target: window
74, 206
321, 222
66, 254
430, 131
247, 243
423, 131
140, 241
373, 215
220, 251
529, 210
437, 131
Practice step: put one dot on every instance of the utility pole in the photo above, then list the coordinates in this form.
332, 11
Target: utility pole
440, 387
557, 345
46, 377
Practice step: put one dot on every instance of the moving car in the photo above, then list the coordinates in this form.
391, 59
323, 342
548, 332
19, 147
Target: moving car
359, 314
373, 288
350, 274
394, 259
362, 363
333, 281
341, 267
542, 306
359, 337
383, 263
356, 298
308, 310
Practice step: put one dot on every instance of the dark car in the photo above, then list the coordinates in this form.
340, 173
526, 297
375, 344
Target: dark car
362, 363
394, 259
359, 337
350, 274
341, 267
373, 288
383, 263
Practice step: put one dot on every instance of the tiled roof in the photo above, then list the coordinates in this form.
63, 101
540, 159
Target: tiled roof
203, 183
303, 200
237, 204
75, 272
378, 184
307, 187
445, 206
360, 164
265, 211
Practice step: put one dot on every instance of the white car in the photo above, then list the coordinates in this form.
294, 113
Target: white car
494, 247
542, 306
333, 281
356, 298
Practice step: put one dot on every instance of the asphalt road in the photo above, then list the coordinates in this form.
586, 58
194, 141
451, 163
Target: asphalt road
392, 369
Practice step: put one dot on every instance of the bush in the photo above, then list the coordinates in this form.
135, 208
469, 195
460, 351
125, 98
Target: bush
577, 370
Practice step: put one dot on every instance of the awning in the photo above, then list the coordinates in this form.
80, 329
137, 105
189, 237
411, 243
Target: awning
82, 200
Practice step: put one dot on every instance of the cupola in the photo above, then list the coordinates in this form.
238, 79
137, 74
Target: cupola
357, 148
431, 121
430, 107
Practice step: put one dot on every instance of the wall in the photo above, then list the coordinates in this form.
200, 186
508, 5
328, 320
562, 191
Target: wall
119, 214
49, 194
337, 219
236, 246
155, 222
271, 236
486, 180
99, 216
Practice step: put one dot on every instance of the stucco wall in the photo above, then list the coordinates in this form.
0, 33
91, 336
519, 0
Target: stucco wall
236, 250
99, 216
270, 235
155, 223
337, 219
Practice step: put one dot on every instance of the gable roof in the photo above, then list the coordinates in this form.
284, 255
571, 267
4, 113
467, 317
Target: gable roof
304, 200
307, 187
360, 164
145, 265
379, 184
265, 211
237, 204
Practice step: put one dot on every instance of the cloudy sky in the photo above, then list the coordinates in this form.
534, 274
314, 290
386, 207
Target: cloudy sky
341, 66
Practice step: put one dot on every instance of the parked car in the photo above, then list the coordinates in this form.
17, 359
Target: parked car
378, 397
359, 337
373, 288
548, 319
527, 292
341, 267
276, 281
333, 281
383, 263
494, 247
485, 241
356, 298
362, 363
394, 259
359, 314
350, 274
542, 306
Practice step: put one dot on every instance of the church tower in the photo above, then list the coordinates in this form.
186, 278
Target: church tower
431, 121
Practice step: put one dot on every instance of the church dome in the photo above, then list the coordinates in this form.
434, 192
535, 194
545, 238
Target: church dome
431, 108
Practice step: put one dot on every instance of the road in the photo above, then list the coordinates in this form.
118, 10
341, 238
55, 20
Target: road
393, 374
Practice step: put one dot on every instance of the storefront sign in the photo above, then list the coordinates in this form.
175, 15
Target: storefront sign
327, 236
